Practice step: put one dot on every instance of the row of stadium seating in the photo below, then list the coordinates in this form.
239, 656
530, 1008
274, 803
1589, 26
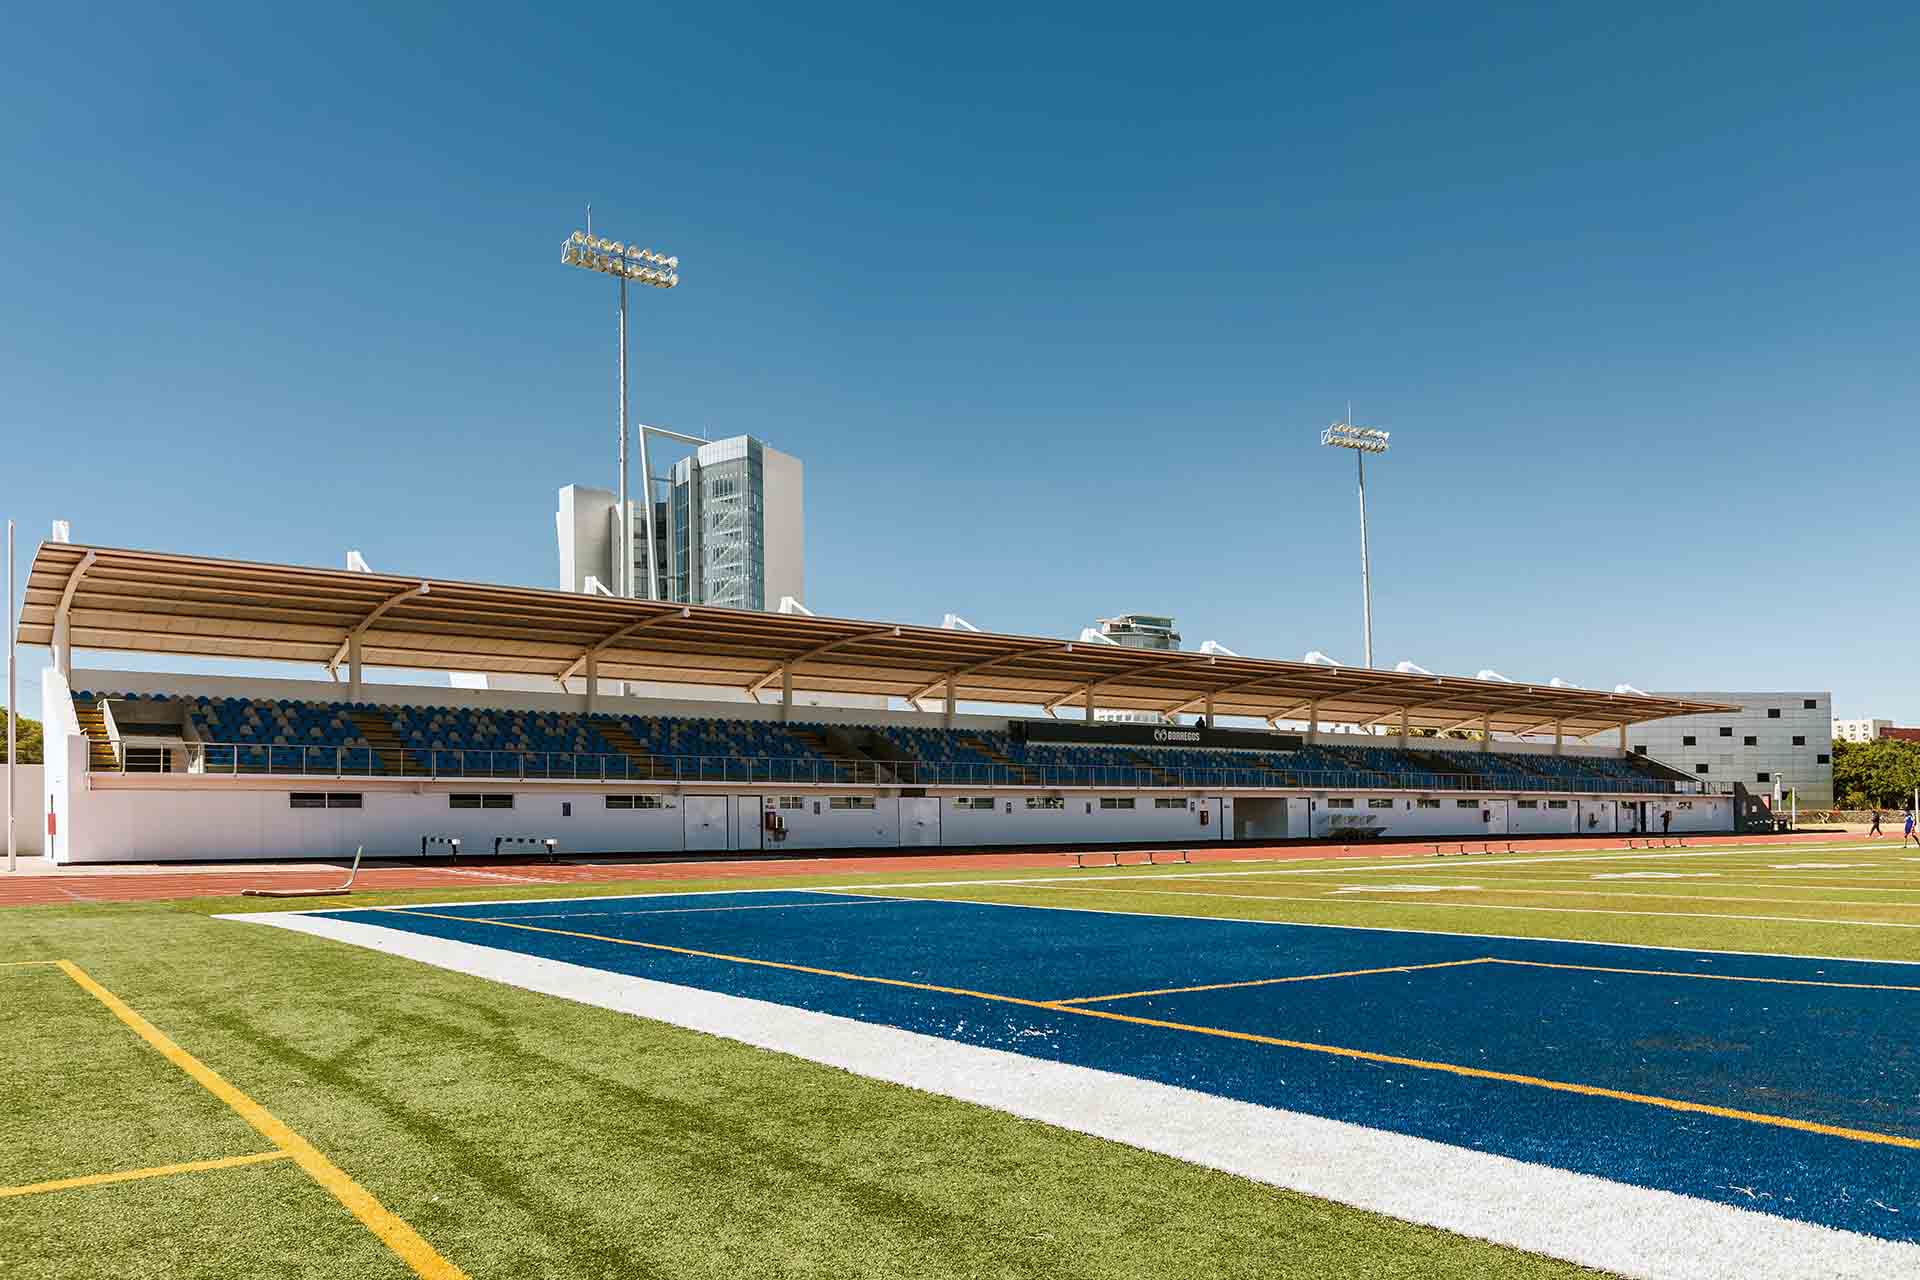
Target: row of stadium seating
281, 735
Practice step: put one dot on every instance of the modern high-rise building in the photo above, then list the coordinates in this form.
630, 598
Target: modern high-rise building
729, 530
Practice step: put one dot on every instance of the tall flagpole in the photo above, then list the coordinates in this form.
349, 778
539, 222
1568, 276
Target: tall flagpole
13, 711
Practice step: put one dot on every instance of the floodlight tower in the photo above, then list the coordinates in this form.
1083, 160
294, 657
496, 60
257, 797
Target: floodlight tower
1363, 441
589, 252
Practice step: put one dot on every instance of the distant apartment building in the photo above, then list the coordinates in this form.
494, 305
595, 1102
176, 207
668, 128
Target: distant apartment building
1860, 730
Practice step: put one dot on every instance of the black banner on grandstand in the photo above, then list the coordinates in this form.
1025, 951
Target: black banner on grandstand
1120, 734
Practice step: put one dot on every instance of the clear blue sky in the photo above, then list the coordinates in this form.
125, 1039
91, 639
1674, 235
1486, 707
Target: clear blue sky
1052, 305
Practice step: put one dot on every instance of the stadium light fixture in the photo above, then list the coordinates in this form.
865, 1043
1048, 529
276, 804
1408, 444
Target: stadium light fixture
626, 262
1362, 441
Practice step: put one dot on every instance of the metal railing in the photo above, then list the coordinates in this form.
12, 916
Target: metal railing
214, 759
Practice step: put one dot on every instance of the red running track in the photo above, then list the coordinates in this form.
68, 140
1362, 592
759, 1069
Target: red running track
158, 883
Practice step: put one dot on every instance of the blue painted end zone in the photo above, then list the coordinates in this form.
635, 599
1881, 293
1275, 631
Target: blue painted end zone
1836, 1056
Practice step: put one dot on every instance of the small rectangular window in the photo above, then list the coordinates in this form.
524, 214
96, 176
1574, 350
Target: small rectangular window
1165, 802
496, 801
1726, 731
1811, 704
1116, 802
1799, 739
306, 800
1773, 713
1379, 804
1466, 804
461, 800
343, 799
1824, 758
1763, 777
973, 802
1749, 741
1640, 750
1556, 804
793, 802
1529, 804
1700, 768
861, 802
1339, 804
1428, 804
619, 802
1688, 741
1046, 802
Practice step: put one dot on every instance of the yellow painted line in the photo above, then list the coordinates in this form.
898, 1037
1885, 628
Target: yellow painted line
732, 959
1308, 1046
1272, 982
1710, 977
133, 1175
13, 964
1427, 904
391, 1230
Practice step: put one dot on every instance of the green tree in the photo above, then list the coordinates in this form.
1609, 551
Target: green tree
27, 736
1880, 773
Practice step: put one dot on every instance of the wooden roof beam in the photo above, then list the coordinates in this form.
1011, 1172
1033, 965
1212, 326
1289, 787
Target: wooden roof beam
599, 647
767, 677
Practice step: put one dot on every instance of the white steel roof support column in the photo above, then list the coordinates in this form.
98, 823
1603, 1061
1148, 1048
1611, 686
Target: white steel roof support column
349, 650
63, 618
599, 647
784, 672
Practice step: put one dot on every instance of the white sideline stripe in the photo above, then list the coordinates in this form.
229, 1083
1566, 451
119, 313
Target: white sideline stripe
1635, 1231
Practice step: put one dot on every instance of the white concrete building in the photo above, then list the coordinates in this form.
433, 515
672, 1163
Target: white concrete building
1864, 729
1784, 737
731, 530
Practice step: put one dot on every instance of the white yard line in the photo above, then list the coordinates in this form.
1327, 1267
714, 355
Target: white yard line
1612, 1226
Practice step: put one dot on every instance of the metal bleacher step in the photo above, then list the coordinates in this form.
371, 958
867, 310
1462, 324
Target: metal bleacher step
621, 739
93, 723
379, 733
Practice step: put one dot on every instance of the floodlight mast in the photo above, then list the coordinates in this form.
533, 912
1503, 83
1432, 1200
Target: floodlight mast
1363, 441
589, 252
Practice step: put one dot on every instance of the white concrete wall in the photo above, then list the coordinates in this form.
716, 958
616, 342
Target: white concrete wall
1543, 818
29, 812
1081, 821
818, 825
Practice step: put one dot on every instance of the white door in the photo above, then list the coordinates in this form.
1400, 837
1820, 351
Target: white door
1299, 818
706, 822
919, 820
1212, 811
1496, 816
749, 828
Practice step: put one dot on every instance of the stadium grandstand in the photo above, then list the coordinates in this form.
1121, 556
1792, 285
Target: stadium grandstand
145, 766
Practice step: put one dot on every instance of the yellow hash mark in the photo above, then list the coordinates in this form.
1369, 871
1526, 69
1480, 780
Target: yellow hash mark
133, 1175
1308, 1046
391, 1230
1270, 982
14, 964
1711, 977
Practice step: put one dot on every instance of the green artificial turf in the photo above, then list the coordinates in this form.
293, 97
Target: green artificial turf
524, 1136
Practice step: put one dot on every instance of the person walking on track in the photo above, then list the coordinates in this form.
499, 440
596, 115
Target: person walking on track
1876, 824
1907, 833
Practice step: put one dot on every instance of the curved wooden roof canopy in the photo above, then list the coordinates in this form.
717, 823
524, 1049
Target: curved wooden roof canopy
148, 602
